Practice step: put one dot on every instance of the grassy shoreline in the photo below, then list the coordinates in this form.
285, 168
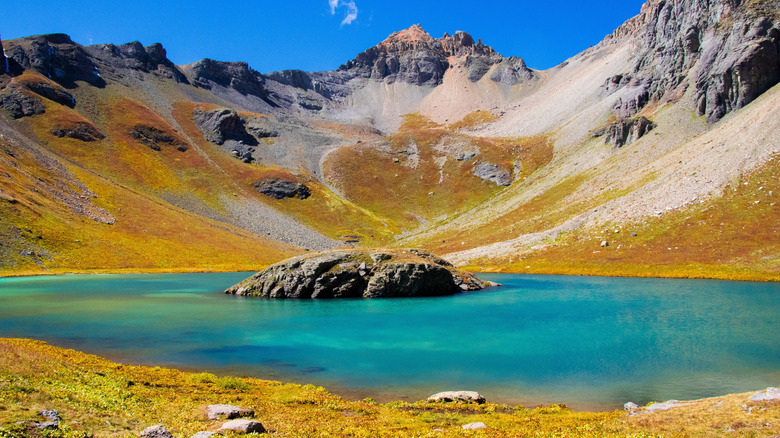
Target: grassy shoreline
698, 272
98, 397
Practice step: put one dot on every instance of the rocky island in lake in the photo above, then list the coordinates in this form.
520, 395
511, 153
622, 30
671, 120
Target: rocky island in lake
354, 273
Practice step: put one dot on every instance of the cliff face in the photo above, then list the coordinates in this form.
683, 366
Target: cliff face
730, 47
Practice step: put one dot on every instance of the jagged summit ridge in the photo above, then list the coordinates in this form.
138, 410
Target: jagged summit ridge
413, 56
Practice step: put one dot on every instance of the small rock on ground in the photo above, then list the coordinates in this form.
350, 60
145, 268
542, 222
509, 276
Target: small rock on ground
244, 426
203, 434
474, 426
630, 406
664, 406
51, 415
229, 412
449, 396
156, 431
48, 425
769, 394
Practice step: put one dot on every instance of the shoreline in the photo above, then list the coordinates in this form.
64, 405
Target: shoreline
346, 393
592, 271
107, 398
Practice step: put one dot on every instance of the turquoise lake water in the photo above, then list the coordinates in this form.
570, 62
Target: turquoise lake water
587, 342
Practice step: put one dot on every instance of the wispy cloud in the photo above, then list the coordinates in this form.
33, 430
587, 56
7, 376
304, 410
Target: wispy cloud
352, 12
348, 6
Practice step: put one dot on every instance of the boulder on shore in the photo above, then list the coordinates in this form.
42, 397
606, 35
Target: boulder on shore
229, 412
243, 426
354, 273
451, 396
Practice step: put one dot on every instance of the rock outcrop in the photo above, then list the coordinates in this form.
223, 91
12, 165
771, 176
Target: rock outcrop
57, 57
625, 131
207, 73
134, 56
278, 188
493, 172
222, 124
20, 103
359, 273
413, 56
83, 131
156, 139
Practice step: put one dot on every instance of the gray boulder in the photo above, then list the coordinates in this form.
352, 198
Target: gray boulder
493, 172
451, 396
52, 415
769, 394
359, 273
228, 412
222, 124
156, 431
243, 426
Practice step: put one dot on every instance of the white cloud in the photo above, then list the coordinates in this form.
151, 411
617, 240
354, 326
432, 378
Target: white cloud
352, 12
349, 7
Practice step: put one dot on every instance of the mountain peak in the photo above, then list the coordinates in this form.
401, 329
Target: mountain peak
413, 34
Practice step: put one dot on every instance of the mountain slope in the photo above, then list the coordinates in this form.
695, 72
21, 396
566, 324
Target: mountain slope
438, 142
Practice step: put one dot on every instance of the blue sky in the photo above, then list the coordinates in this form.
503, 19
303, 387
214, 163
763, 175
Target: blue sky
320, 34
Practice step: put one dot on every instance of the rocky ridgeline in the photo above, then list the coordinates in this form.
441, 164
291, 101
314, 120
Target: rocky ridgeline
729, 50
413, 56
359, 273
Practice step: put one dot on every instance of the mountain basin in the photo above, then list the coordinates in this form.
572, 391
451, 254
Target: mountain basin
588, 342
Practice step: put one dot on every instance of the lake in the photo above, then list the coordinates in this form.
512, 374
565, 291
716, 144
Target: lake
588, 342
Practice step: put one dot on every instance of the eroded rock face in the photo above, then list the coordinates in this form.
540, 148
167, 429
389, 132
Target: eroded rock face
733, 44
359, 273
57, 57
737, 66
625, 131
235, 75
149, 59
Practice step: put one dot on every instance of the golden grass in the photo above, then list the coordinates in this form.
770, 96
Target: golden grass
735, 236
413, 177
97, 397
473, 119
324, 211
